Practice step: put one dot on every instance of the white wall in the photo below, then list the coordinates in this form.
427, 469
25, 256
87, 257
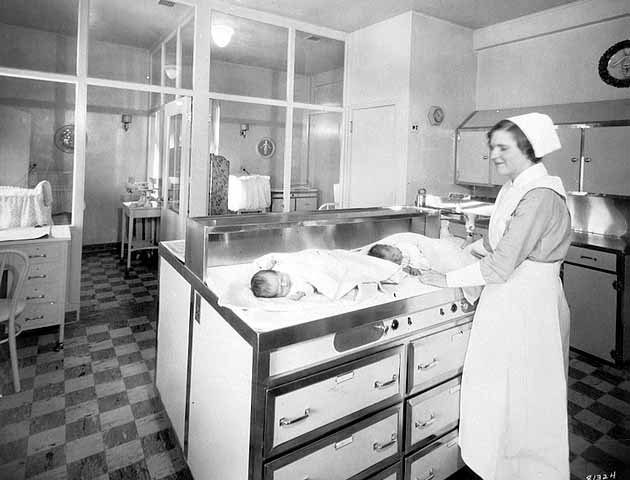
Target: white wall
443, 67
530, 61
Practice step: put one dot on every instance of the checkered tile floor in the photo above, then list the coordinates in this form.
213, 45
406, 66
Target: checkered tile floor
90, 411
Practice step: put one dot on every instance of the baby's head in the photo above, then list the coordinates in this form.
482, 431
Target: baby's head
386, 252
270, 283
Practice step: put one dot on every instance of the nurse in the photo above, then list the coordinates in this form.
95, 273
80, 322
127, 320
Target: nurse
513, 419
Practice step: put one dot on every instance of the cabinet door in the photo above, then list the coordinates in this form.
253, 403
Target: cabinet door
593, 304
565, 163
306, 203
472, 164
606, 168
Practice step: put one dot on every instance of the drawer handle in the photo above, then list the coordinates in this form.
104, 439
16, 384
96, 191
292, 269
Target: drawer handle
41, 255
430, 476
378, 447
458, 334
380, 385
36, 297
285, 422
426, 423
427, 366
31, 277
30, 319
585, 257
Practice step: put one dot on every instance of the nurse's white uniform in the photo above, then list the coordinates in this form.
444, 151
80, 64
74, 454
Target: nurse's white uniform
513, 422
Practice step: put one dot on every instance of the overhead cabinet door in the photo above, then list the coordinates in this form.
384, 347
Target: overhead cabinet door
473, 160
606, 160
565, 163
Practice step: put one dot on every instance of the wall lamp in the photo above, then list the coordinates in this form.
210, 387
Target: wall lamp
221, 34
244, 129
126, 121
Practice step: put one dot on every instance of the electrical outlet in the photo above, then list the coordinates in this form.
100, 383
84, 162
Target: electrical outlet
415, 128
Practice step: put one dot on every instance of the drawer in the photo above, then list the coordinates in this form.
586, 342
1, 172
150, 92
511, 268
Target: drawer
592, 258
38, 292
38, 315
391, 473
309, 404
43, 252
306, 203
438, 461
433, 413
45, 272
437, 357
354, 452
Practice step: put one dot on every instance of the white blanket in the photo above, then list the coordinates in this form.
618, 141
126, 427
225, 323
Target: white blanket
26, 207
338, 275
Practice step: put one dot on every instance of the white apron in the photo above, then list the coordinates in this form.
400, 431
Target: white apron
513, 422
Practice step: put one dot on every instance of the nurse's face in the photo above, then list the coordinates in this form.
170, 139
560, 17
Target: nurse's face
508, 159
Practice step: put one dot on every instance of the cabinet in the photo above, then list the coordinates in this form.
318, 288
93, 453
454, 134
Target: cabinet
472, 157
45, 285
301, 199
593, 285
605, 160
565, 163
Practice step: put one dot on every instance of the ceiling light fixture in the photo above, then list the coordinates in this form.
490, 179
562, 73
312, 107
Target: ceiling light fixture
222, 34
171, 71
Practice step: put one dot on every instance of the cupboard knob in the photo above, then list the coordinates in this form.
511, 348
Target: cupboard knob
573, 159
587, 159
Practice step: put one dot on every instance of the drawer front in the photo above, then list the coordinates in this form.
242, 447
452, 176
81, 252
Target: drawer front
433, 413
438, 357
37, 292
347, 390
438, 461
45, 272
43, 252
306, 203
38, 315
390, 473
345, 454
592, 258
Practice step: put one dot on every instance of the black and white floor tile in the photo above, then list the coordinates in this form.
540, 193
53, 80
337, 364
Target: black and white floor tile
90, 411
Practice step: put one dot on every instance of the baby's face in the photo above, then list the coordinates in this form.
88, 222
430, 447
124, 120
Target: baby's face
393, 254
281, 283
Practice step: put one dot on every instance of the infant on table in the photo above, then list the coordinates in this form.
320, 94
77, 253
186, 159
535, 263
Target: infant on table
274, 283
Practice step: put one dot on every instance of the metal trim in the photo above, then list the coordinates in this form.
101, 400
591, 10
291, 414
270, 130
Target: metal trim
426, 450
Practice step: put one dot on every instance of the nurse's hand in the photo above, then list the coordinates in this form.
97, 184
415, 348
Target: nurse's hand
431, 277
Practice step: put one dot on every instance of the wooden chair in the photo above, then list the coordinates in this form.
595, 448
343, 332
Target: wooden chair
14, 266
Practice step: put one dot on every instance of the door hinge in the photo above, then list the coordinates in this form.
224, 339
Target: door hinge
618, 285
350, 126
197, 307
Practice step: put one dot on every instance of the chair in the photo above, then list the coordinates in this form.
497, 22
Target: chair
14, 266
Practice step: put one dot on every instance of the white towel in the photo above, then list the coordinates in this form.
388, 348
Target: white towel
540, 131
249, 192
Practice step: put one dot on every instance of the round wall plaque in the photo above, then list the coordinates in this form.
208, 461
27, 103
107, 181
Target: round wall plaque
266, 147
614, 65
64, 138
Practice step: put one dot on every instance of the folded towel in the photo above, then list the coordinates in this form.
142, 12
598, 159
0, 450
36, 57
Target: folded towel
249, 192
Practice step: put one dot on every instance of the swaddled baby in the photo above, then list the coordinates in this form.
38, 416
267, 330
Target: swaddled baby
273, 283
395, 254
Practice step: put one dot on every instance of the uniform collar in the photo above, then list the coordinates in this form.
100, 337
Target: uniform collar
532, 173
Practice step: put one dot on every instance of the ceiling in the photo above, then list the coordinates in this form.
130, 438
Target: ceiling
144, 23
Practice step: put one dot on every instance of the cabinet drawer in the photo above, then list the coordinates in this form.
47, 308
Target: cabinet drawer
306, 203
314, 402
344, 454
38, 315
438, 461
43, 252
437, 357
37, 292
433, 413
45, 272
390, 473
592, 258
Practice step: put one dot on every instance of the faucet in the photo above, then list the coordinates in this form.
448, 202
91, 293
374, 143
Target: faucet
470, 228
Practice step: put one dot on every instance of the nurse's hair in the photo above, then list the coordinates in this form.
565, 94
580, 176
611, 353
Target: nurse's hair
262, 285
386, 252
521, 139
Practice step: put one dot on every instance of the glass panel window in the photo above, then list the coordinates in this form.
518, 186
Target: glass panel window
123, 35
174, 154
248, 57
188, 41
37, 139
171, 70
315, 159
39, 38
318, 70
250, 138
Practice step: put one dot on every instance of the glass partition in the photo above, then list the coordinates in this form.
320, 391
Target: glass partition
315, 158
37, 139
253, 62
318, 70
123, 35
187, 35
39, 38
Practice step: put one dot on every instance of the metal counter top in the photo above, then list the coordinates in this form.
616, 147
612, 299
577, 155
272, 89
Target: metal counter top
601, 242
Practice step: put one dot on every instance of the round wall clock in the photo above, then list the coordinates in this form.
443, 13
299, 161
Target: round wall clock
436, 115
64, 138
614, 65
266, 147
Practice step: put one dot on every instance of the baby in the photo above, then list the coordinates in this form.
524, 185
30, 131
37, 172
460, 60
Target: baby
392, 254
273, 283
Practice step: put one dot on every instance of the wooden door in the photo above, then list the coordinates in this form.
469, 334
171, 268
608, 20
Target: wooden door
374, 172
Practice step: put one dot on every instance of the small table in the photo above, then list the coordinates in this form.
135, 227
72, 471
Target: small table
143, 240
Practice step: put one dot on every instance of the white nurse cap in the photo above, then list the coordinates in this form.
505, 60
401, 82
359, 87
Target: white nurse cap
540, 131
